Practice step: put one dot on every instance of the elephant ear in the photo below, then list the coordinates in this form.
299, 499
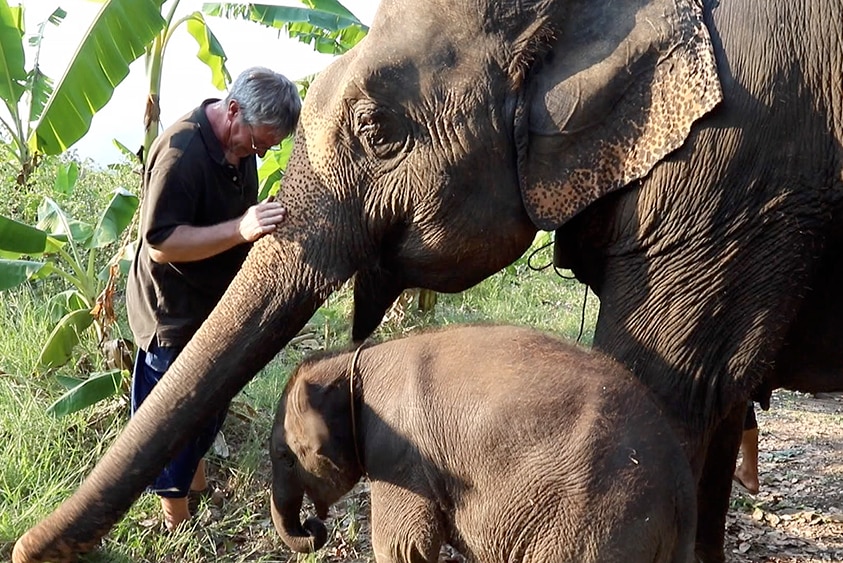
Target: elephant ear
617, 89
306, 427
315, 421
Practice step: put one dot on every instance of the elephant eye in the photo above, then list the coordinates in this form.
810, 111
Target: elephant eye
285, 457
382, 132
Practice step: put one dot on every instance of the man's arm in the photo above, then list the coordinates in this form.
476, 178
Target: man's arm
188, 243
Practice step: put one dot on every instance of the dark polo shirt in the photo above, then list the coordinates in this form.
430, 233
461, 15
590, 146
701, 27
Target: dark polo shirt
187, 181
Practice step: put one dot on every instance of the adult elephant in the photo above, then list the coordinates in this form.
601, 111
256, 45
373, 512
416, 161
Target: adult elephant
688, 152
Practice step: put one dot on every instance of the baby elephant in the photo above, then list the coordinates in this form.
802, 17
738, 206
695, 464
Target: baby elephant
506, 443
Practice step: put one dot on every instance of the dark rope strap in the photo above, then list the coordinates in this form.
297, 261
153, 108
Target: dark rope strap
530, 265
351, 374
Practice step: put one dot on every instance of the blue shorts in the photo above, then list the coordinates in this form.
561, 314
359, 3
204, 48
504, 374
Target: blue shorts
174, 480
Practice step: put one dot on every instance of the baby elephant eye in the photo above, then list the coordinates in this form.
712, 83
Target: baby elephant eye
287, 458
281, 454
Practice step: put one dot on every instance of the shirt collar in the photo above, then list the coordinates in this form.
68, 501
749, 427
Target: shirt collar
214, 146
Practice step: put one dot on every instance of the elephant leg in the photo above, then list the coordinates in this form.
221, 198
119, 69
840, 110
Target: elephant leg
375, 289
812, 358
715, 486
406, 526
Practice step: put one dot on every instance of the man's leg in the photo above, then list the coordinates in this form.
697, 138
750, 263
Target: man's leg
175, 511
747, 472
200, 482
186, 471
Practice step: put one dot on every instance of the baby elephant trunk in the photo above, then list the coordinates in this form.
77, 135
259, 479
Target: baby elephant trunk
300, 538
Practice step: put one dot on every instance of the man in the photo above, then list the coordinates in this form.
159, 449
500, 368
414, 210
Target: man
746, 474
199, 215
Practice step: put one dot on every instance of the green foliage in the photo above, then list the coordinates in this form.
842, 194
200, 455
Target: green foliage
210, 52
24, 93
82, 393
325, 24
68, 248
272, 168
44, 458
101, 63
48, 118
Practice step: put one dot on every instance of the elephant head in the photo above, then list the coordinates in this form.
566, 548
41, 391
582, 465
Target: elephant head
313, 449
427, 156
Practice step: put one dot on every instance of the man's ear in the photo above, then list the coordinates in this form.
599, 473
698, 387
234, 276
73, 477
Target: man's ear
233, 109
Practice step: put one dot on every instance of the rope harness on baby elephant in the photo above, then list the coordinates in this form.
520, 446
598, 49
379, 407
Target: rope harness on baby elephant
351, 372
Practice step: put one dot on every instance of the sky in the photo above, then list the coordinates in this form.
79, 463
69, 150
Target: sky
186, 81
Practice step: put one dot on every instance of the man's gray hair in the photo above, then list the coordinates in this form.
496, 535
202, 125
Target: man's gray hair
267, 98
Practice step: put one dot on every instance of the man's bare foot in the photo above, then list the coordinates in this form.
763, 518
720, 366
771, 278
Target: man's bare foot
746, 479
175, 511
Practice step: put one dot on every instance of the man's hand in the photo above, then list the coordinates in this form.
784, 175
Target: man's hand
189, 243
261, 219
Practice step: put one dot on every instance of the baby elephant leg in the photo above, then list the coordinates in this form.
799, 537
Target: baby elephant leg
406, 526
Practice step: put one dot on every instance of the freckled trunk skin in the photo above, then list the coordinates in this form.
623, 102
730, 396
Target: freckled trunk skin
268, 302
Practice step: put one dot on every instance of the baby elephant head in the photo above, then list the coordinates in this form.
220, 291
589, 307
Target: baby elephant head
312, 451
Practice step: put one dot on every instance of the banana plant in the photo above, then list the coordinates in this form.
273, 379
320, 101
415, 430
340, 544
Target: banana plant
59, 245
47, 117
23, 92
327, 25
210, 52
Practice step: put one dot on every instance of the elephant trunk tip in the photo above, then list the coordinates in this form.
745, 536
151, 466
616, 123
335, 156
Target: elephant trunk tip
43, 543
318, 533
29, 550
304, 537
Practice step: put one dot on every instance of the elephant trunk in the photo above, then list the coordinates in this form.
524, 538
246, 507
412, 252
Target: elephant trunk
270, 299
301, 538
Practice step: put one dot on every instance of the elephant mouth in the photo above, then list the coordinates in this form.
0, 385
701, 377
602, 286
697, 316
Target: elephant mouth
321, 510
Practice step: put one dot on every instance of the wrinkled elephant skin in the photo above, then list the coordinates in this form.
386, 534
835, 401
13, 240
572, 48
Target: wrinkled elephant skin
688, 155
506, 443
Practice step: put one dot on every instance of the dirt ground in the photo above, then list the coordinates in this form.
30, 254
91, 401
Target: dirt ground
797, 514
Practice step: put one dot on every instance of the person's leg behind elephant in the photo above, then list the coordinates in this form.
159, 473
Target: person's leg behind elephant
746, 473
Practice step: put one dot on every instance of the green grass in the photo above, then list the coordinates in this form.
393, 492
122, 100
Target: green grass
45, 458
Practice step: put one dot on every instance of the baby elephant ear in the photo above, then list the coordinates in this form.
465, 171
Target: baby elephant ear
618, 89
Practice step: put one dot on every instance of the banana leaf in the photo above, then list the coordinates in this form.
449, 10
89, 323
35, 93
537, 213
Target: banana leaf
64, 337
210, 51
15, 272
118, 35
12, 72
97, 387
114, 219
21, 238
